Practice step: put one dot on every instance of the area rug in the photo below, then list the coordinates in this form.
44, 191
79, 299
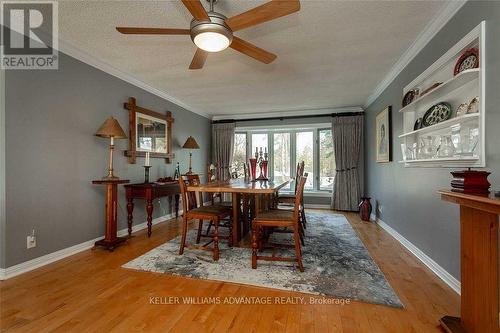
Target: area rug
336, 264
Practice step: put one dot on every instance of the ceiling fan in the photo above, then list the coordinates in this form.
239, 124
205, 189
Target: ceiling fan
213, 32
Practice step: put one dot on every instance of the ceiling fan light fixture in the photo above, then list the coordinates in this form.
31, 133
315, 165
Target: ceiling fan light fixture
213, 35
211, 41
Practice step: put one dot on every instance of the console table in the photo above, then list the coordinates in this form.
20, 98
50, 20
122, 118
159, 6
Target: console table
149, 192
479, 263
110, 240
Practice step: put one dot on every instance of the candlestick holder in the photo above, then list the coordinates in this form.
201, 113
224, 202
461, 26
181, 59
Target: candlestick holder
146, 173
262, 163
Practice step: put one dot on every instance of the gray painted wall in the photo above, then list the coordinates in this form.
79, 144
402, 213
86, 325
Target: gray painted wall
52, 155
408, 196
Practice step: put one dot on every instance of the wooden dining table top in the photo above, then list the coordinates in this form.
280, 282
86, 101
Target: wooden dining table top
241, 185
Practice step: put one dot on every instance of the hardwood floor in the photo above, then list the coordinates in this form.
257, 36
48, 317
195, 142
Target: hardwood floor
91, 292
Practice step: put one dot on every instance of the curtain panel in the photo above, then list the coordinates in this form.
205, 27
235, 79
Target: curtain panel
347, 140
223, 144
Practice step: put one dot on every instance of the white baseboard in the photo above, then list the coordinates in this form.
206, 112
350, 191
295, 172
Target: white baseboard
315, 206
424, 258
9, 272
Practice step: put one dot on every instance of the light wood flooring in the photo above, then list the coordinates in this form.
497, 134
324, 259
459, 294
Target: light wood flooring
90, 292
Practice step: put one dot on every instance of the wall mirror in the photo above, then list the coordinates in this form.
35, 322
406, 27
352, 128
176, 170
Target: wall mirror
149, 131
152, 133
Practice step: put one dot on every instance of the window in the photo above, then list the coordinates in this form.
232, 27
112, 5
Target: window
305, 152
259, 141
240, 152
326, 160
312, 144
281, 155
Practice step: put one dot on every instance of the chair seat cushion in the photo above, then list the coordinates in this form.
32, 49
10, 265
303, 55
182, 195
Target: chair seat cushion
277, 215
210, 210
287, 198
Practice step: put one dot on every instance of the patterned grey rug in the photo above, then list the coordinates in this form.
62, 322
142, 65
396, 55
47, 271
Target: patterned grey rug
336, 264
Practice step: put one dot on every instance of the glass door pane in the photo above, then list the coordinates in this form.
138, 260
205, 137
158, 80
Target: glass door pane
259, 142
240, 153
281, 153
305, 152
326, 160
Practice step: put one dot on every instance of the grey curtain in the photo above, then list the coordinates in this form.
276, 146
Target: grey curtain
223, 144
347, 140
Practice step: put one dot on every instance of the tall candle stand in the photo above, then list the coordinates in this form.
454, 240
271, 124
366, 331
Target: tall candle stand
262, 163
146, 173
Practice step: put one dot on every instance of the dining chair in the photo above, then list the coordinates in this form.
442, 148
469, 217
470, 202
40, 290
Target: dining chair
218, 173
275, 219
213, 214
289, 199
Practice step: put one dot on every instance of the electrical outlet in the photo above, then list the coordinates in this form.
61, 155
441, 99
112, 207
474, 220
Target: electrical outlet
31, 240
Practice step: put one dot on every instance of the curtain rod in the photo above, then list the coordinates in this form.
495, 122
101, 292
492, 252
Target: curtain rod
339, 114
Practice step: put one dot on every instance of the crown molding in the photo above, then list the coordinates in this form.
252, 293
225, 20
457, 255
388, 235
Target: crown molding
77, 53
289, 113
420, 42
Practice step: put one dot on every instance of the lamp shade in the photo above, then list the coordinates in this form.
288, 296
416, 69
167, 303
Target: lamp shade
111, 128
191, 143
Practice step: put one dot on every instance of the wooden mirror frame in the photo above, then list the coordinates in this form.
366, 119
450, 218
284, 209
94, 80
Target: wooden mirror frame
132, 153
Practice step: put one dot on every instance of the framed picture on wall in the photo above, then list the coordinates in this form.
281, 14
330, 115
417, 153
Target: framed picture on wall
383, 137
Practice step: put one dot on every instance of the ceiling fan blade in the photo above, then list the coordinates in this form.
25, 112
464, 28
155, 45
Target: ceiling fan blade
196, 9
266, 12
152, 31
199, 59
251, 50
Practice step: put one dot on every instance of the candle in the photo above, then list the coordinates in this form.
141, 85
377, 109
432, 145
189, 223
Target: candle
265, 150
146, 162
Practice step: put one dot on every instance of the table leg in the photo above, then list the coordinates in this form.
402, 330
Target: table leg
236, 219
176, 206
257, 205
149, 210
109, 235
245, 199
267, 202
130, 216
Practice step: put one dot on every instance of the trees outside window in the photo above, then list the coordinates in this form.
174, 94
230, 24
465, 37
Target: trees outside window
286, 148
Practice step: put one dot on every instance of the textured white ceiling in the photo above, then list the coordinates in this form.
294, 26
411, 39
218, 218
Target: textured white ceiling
330, 54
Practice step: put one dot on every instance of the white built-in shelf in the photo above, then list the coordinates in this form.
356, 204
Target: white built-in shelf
444, 159
443, 124
452, 84
455, 90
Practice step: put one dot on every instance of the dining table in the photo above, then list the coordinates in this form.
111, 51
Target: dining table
262, 192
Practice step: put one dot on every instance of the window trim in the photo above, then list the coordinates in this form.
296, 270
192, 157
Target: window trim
315, 129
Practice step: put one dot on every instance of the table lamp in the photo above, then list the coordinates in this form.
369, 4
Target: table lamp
111, 129
190, 144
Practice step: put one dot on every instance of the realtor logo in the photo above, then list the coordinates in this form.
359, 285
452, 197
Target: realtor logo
29, 35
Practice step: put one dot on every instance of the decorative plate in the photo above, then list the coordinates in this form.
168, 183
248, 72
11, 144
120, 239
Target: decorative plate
468, 60
418, 124
436, 114
473, 105
434, 86
462, 109
409, 97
